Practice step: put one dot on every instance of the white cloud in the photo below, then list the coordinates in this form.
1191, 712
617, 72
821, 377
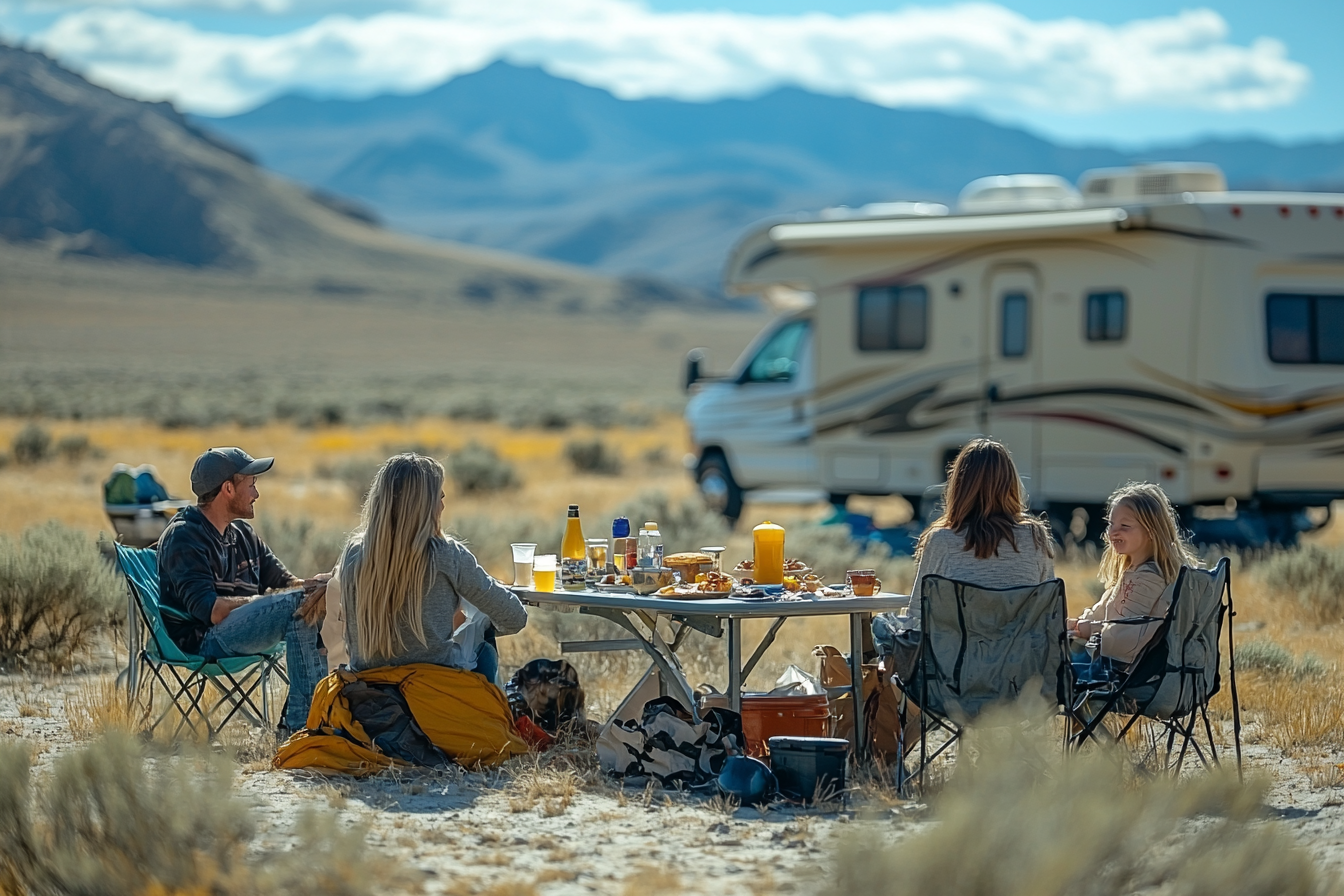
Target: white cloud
977, 55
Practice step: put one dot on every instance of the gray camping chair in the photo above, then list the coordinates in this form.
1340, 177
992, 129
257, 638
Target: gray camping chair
1176, 675
985, 646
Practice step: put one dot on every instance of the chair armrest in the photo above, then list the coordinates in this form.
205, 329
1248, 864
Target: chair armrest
1130, 620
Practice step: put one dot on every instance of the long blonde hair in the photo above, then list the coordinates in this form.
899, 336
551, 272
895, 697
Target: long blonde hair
984, 502
1158, 520
398, 527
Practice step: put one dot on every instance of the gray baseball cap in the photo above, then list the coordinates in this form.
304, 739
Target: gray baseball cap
213, 468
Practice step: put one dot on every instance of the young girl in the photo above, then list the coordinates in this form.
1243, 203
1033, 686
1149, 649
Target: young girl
1145, 551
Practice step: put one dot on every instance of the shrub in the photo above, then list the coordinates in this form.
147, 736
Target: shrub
593, 456
477, 469
685, 526
56, 593
108, 820
304, 548
489, 538
1024, 821
1312, 574
32, 445
356, 474
75, 447
478, 408
1265, 656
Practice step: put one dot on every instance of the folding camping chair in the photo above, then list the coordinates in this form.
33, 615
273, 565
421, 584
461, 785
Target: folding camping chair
181, 676
984, 646
1176, 674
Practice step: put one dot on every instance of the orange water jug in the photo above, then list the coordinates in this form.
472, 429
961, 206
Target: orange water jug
768, 544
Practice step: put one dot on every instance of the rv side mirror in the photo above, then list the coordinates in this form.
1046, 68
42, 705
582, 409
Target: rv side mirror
694, 359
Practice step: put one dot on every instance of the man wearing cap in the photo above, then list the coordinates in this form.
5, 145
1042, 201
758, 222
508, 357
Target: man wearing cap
212, 566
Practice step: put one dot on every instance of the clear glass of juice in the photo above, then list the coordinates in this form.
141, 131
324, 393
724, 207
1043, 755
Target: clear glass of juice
543, 572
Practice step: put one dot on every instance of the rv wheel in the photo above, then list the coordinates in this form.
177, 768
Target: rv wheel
720, 492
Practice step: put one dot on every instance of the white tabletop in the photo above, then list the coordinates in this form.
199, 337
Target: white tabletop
801, 604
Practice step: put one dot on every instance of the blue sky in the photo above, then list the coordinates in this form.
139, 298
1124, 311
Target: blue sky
1132, 74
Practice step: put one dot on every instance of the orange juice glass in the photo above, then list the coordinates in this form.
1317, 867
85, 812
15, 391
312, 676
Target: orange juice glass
768, 541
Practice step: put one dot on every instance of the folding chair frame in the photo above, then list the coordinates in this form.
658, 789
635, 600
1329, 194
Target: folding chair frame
930, 720
186, 692
1185, 725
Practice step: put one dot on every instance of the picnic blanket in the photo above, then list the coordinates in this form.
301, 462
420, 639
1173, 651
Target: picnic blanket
361, 723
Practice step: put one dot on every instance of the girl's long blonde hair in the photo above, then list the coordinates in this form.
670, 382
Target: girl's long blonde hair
399, 525
1158, 519
984, 501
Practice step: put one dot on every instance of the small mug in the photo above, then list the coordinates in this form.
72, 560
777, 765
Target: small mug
863, 582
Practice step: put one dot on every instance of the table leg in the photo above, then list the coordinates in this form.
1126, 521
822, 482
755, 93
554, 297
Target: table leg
856, 621
735, 664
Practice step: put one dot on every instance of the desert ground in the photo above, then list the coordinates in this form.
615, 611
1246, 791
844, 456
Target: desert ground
115, 375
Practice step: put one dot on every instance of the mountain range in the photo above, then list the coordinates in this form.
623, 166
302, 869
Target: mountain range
512, 157
86, 172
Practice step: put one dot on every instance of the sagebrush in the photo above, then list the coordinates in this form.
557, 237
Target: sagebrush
477, 469
109, 820
1021, 821
1313, 575
56, 593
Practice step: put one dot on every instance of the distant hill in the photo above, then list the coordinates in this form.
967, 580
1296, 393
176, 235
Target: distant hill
87, 172
513, 157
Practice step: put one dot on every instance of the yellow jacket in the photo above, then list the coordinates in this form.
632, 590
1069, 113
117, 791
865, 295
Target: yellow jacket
463, 714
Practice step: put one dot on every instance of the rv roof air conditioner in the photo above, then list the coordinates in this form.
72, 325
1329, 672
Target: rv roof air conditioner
1108, 186
1018, 193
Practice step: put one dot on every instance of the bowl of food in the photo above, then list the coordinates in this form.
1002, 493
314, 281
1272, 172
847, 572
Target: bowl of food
648, 579
690, 564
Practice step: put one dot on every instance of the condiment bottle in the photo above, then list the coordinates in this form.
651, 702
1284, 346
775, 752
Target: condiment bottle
768, 544
573, 553
655, 545
620, 535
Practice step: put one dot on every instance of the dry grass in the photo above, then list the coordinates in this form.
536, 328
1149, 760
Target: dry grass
109, 820
648, 879
547, 790
1022, 821
98, 707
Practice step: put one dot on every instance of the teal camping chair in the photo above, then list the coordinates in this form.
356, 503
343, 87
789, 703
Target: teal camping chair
181, 676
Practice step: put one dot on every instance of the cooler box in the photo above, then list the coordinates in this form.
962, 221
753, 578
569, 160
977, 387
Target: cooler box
764, 716
808, 767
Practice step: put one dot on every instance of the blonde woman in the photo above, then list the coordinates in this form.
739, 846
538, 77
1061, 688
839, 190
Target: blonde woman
402, 581
1145, 551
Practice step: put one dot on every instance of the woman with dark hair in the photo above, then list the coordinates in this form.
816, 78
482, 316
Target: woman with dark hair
984, 536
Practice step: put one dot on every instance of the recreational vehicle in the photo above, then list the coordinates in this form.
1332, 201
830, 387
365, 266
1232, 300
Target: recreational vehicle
1146, 325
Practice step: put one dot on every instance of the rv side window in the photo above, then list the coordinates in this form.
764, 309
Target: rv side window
1014, 324
777, 361
893, 318
1106, 320
1305, 329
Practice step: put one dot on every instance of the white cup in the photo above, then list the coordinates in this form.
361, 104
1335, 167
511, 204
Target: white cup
523, 555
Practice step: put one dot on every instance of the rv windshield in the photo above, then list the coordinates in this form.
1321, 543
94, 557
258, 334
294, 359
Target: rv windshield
777, 361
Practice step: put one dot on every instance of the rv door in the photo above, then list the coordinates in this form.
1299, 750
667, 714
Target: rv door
767, 418
1010, 365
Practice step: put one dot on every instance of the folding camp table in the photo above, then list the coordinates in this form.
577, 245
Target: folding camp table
640, 614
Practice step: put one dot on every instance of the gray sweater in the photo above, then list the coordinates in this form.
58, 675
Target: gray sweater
945, 554
456, 577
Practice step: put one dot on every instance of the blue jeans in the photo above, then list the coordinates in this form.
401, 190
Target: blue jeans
259, 625
1089, 670
487, 661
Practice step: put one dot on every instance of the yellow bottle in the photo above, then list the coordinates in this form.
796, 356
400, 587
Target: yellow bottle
573, 553
768, 543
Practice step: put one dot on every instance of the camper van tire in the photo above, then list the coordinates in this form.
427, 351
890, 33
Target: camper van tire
717, 486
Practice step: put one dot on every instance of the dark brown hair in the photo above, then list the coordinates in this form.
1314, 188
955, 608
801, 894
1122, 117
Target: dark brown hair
984, 501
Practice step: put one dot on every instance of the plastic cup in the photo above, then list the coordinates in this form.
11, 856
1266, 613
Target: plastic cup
522, 564
543, 572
